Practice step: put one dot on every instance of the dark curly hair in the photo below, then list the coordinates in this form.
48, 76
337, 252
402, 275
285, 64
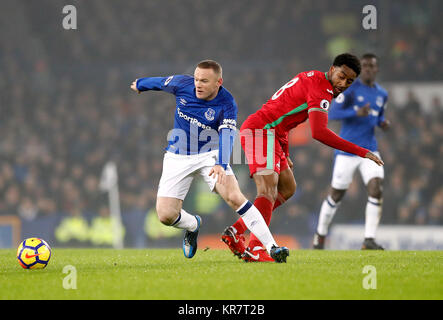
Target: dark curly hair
348, 60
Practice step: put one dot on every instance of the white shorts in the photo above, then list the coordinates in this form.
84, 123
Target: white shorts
345, 166
179, 171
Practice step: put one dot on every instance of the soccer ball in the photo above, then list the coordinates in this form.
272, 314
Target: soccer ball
33, 253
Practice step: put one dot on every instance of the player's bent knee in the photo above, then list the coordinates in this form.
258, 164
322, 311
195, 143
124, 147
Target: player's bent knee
375, 192
375, 188
337, 195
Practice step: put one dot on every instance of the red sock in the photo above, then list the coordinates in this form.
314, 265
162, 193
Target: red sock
240, 226
265, 207
279, 201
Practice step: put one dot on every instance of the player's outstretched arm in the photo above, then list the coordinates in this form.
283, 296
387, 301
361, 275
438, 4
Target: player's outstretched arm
320, 131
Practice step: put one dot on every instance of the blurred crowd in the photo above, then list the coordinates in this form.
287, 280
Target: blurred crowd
67, 109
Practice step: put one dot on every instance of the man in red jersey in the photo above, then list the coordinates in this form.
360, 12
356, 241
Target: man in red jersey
264, 138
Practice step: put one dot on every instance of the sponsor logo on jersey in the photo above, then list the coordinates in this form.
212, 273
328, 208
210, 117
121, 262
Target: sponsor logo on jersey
209, 114
379, 101
330, 91
183, 101
310, 74
192, 120
360, 98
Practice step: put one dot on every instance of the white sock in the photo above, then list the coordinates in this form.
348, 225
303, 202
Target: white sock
185, 221
327, 212
373, 214
256, 224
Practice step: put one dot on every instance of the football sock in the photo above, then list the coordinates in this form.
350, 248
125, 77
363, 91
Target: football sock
372, 215
185, 221
279, 201
256, 224
240, 226
327, 212
265, 207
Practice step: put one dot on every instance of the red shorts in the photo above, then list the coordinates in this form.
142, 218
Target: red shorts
263, 150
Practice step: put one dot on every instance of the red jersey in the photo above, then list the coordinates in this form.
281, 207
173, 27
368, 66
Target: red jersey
308, 95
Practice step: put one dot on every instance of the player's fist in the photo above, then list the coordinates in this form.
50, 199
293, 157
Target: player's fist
134, 86
364, 111
218, 172
374, 158
290, 163
385, 125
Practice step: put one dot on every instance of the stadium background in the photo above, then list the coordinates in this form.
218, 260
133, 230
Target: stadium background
66, 109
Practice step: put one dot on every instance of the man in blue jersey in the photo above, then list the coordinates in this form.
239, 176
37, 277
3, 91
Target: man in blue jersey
360, 108
200, 144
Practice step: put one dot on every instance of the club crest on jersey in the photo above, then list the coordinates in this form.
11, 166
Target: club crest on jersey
209, 114
340, 98
324, 104
379, 101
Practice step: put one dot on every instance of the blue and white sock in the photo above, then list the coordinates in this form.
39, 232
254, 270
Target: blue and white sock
327, 212
185, 221
256, 224
372, 216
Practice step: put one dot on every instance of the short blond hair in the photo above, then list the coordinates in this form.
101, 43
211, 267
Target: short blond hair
211, 64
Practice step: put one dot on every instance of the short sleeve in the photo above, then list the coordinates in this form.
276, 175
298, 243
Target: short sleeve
318, 97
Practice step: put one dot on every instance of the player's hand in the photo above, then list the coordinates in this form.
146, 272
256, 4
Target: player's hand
290, 163
374, 158
218, 171
134, 86
364, 111
385, 125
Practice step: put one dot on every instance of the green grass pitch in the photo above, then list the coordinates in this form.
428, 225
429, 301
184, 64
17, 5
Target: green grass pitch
164, 274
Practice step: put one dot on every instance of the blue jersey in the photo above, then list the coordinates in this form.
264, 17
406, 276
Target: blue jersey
359, 130
198, 123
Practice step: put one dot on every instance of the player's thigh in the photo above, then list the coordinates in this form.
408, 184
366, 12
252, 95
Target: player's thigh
177, 175
205, 167
369, 170
230, 192
263, 151
343, 172
267, 185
